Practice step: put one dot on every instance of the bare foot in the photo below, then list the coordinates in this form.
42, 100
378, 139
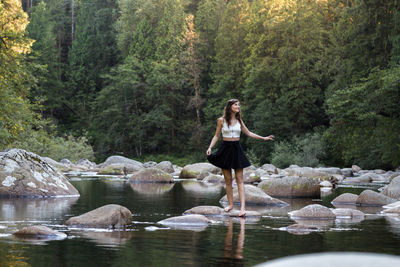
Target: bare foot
242, 213
228, 209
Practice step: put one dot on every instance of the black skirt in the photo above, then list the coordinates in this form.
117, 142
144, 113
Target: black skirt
229, 155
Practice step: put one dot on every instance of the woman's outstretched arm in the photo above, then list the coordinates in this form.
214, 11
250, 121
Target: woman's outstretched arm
255, 136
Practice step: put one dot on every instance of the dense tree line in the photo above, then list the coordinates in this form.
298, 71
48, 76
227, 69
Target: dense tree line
146, 77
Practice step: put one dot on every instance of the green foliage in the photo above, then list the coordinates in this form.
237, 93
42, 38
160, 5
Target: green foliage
308, 150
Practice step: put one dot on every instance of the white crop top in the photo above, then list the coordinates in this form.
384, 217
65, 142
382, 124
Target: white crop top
232, 131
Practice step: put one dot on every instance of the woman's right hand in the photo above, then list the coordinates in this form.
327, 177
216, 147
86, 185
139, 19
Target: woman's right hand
208, 151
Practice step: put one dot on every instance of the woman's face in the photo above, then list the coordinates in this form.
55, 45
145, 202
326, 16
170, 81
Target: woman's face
235, 107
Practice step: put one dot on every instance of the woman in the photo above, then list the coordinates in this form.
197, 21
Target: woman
230, 154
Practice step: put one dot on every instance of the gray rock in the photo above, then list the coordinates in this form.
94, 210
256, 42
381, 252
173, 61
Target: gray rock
122, 161
372, 198
334, 259
394, 210
254, 196
151, 175
149, 164
192, 219
52, 162
313, 211
393, 188
347, 172
291, 186
206, 210
372, 177
192, 170
202, 175
308, 172
39, 232
325, 184
379, 171
329, 170
85, 162
165, 166
271, 169
214, 178
346, 198
108, 216
119, 169
355, 168
25, 174
348, 213
66, 161
251, 175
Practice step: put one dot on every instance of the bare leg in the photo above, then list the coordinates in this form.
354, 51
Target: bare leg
229, 190
240, 185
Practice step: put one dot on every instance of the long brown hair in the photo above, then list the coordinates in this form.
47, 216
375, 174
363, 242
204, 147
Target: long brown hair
228, 111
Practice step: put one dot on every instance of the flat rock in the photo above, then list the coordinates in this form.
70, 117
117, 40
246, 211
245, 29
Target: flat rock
191, 219
192, 170
334, 259
308, 172
291, 186
313, 211
25, 174
325, 184
151, 175
254, 196
372, 198
393, 188
346, 198
206, 210
39, 232
348, 213
108, 216
329, 170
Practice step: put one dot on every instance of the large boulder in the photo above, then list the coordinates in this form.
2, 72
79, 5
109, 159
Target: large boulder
166, 166
151, 175
254, 196
291, 186
348, 213
192, 170
25, 174
251, 175
372, 177
86, 163
213, 179
393, 189
114, 169
314, 211
355, 168
130, 165
271, 169
39, 232
372, 198
308, 172
108, 216
346, 199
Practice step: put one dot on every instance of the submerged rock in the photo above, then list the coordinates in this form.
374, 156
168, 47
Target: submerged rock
151, 175
108, 216
25, 174
254, 196
393, 189
291, 186
192, 219
372, 198
192, 170
39, 232
348, 213
301, 229
313, 211
346, 199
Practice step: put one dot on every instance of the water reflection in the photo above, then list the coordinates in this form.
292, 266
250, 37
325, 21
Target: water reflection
152, 188
106, 238
237, 258
22, 209
202, 189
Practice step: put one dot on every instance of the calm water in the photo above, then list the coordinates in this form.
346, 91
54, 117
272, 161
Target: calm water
229, 243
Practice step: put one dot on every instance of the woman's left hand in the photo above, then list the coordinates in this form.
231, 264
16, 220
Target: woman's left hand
269, 137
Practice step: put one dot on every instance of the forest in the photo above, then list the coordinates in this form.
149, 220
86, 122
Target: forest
147, 79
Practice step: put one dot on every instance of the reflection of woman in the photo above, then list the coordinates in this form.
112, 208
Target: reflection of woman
230, 154
238, 253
